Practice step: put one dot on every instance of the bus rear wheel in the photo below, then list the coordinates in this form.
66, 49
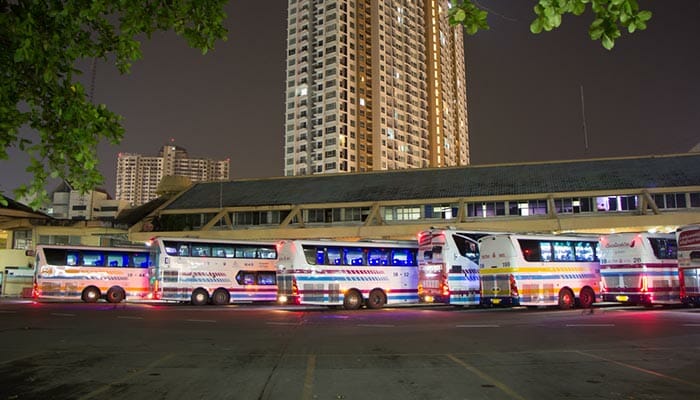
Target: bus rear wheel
200, 297
115, 295
220, 297
566, 299
376, 299
586, 298
91, 294
352, 300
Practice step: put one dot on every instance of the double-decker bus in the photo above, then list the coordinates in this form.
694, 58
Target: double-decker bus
448, 267
91, 273
539, 270
351, 274
202, 271
639, 268
689, 263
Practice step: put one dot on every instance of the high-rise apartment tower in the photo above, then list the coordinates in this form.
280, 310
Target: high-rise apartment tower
374, 85
138, 176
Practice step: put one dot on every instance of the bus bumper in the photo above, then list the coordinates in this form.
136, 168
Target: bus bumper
628, 298
500, 301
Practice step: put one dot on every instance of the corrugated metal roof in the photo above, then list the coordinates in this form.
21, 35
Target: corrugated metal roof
497, 180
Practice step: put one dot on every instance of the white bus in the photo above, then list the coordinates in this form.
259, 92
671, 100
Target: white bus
689, 263
639, 268
539, 270
91, 273
202, 271
351, 274
448, 267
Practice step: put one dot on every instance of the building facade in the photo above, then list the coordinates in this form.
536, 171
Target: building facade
373, 85
138, 176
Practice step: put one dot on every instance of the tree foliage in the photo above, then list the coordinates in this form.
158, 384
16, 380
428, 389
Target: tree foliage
611, 16
41, 44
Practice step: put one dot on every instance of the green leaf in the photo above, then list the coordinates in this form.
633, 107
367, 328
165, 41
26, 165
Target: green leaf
607, 42
536, 26
460, 15
644, 15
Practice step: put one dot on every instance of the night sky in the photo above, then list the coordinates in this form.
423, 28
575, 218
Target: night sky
524, 91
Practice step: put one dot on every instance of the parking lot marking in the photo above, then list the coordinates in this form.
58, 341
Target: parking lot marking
307, 393
201, 320
640, 369
376, 325
126, 377
505, 389
58, 314
478, 326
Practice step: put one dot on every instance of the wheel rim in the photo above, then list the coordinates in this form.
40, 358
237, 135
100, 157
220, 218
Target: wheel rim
199, 297
353, 300
566, 300
586, 299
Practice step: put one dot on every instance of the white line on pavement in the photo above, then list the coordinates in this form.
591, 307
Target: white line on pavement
477, 326
588, 325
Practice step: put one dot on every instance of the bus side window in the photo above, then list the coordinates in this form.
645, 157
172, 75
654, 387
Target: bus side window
354, 256
334, 255
183, 250
72, 259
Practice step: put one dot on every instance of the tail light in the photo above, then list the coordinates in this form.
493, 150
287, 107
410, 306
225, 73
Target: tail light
513, 287
295, 288
682, 282
35, 290
645, 287
445, 288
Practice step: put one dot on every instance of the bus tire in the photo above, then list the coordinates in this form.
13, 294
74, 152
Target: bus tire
352, 300
199, 297
566, 299
115, 294
91, 294
220, 297
376, 299
586, 298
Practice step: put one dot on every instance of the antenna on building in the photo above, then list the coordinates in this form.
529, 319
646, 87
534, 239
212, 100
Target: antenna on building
583, 118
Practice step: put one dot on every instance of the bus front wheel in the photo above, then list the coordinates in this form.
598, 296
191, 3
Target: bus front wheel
220, 297
376, 299
115, 295
352, 300
566, 299
91, 294
200, 297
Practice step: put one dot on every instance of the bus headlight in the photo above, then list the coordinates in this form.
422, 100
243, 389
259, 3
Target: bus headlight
282, 299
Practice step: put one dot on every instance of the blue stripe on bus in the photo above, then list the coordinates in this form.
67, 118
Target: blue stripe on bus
339, 278
638, 272
559, 276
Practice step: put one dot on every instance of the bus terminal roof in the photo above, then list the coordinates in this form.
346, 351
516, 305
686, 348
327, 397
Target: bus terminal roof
612, 174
